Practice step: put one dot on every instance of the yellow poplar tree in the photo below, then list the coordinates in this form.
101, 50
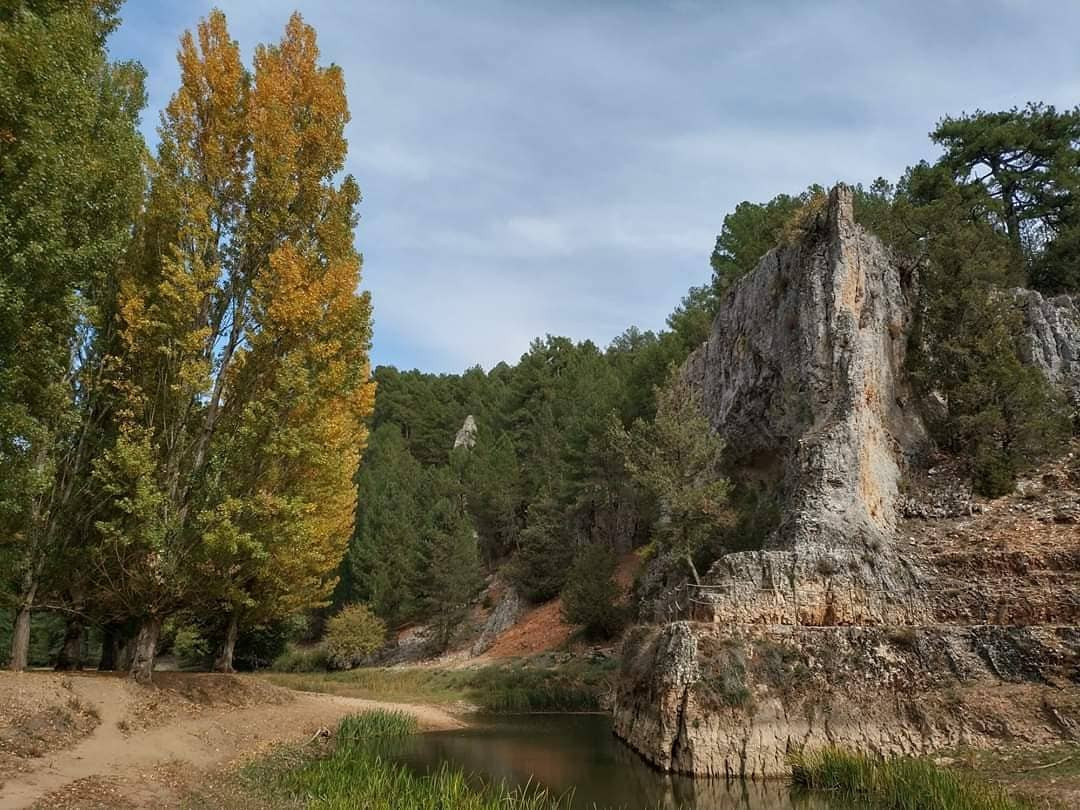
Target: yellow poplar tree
296, 447
242, 385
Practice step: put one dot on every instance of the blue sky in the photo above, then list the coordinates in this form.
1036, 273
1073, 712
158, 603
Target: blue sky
564, 167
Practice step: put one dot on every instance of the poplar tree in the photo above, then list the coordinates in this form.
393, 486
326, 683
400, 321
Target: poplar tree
241, 385
71, 177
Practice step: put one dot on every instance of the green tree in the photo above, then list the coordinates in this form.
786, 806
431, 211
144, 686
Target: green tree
1000, 415
539, 567
1028, 160
392, 516
70, 168
454, 574
591, 595
677, 457
492, 477
751, 231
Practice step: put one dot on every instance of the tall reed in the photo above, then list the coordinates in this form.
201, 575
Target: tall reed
903, 783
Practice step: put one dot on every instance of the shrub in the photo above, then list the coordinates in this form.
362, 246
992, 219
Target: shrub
590, 595
302, 659
352, 635
190, 647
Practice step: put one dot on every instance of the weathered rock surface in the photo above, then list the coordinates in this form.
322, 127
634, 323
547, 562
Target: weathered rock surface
503, 616
1053, 338
735, 702
466, 436
803, 377
887, 620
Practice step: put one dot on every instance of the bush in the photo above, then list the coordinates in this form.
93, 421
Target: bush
352, 635
590, 595
302, 659
190, 647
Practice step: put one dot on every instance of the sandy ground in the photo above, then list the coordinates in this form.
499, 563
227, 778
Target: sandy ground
147, 739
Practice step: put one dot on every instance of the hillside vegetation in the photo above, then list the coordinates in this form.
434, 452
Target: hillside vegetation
199, 461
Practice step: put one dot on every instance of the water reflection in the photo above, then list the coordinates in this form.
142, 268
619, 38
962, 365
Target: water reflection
578, 753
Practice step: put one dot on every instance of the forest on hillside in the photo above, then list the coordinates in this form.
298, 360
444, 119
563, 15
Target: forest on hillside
197, 456
556, 486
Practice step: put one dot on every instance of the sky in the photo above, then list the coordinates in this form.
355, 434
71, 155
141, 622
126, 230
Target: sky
564, 167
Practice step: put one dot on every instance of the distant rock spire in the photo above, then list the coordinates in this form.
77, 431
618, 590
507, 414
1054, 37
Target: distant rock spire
466, 437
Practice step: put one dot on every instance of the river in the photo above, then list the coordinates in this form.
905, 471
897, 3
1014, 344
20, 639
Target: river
578, 755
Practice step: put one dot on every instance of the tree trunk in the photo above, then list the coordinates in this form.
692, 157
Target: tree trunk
71, 653
20, 638
110, 648
20, 632
142, 662
693, 569
224, 660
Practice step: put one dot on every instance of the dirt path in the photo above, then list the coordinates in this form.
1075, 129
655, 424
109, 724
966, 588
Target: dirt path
140, 731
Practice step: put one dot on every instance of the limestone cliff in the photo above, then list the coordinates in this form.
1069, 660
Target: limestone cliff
736, 701
803, 377
859, 622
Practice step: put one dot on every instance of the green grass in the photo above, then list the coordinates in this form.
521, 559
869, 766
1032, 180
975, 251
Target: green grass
358, 728
352, 775
903, 783
519, 687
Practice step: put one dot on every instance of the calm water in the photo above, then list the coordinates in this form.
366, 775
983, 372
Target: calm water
579, 753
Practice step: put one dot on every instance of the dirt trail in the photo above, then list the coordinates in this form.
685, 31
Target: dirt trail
130, 741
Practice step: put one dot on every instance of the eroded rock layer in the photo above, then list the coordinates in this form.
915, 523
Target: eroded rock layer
871, 618
736, 702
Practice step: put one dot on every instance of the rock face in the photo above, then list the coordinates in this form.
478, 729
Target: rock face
1053, 338
803, 377
867, 619
503, 616
735, 702
466, 437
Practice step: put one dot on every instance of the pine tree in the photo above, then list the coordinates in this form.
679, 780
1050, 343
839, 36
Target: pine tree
392, 517
678, 458
591, 595
453, 574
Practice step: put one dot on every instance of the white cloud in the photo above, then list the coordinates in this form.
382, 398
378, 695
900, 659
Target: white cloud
564, 167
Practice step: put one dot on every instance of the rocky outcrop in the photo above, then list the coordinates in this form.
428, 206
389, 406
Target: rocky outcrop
735, 702
846, 628
508, 609
466, 437
1052, 327
802, 375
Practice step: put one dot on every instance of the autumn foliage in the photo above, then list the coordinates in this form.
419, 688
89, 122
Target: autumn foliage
233, 357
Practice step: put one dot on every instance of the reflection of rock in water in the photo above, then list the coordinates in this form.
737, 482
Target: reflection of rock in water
578, 753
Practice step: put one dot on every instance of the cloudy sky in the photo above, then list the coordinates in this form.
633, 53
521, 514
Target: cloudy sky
564, 167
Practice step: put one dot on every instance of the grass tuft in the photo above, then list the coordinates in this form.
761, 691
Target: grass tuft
904, 783
354, 775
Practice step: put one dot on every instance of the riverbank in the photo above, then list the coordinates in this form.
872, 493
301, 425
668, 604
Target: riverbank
90, 740
347, 770
901, 783
542, 683
202, 741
